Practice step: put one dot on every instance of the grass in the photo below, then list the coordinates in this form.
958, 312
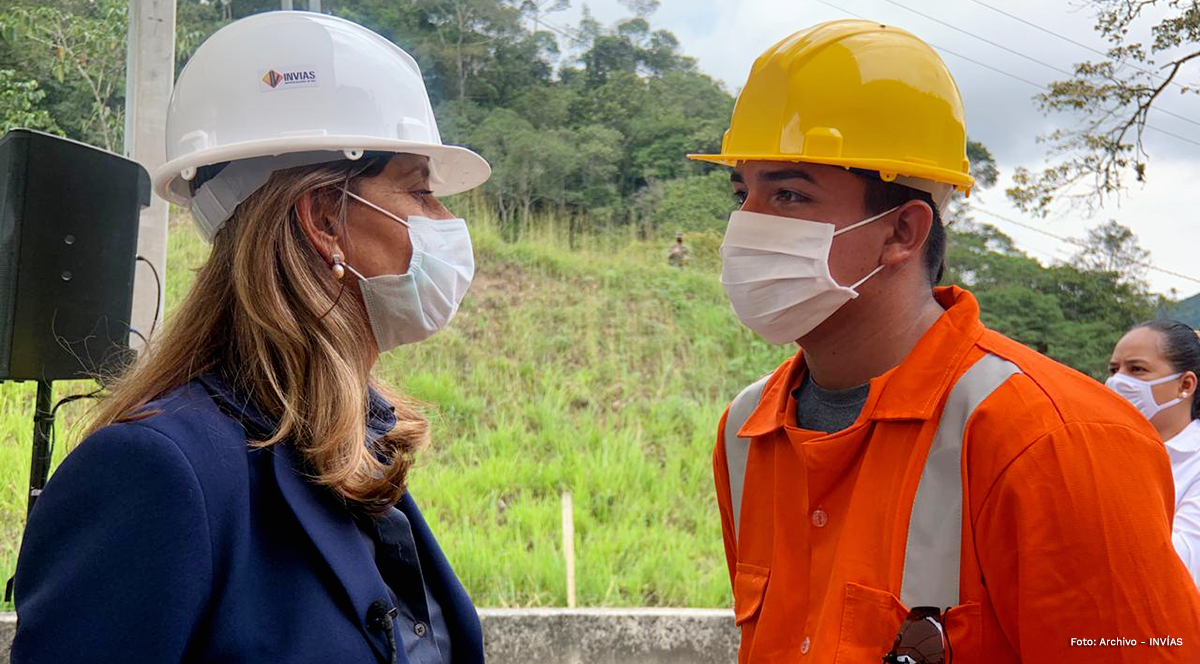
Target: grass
600, 371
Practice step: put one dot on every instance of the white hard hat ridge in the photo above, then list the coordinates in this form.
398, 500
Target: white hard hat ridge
293, 83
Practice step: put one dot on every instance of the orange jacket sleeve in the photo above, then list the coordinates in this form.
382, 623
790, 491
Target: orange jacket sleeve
724, 500
1074, 542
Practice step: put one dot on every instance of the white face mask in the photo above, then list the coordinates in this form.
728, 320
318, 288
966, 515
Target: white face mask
1137, 392
410, 307
775, 271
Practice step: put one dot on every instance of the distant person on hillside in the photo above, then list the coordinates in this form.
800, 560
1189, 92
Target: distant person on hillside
1156, 366
679, 255
911, 486
241, 496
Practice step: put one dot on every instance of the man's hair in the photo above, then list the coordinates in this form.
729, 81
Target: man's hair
879, 196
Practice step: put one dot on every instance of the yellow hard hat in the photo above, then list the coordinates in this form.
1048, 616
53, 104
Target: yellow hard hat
856, 94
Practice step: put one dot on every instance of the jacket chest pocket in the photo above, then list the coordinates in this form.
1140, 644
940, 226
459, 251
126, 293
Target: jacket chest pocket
871, 619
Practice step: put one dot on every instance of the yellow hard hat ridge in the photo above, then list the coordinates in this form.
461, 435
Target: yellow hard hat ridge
856, 94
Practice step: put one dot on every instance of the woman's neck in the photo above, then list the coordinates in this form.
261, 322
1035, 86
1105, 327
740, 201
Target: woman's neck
1172, 424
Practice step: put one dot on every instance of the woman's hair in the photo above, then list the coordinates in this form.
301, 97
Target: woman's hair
262, 312
1181, 347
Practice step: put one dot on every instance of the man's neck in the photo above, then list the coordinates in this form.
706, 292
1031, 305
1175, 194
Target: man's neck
869, 346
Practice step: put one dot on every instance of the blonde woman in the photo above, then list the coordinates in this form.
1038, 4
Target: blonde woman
241, 495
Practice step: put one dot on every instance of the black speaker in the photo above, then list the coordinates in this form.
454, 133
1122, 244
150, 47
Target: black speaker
69, 217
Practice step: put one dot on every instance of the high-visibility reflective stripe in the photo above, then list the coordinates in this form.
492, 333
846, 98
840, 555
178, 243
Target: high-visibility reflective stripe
738, 449
932, 553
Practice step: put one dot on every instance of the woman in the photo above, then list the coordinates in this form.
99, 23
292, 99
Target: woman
1155, 366
241, 495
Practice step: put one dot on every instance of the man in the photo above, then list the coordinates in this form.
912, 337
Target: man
907, 459
679, 255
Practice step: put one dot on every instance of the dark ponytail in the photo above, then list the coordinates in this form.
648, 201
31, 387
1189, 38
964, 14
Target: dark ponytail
1181, 346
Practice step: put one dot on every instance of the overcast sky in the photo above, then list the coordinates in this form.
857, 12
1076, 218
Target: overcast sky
725, 36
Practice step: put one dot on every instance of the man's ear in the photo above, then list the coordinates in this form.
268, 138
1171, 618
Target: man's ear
319, 226
914, 220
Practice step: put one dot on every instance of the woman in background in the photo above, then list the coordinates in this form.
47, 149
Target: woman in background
1155, 366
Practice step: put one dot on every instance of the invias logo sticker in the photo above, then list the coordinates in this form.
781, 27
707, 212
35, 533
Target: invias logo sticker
291, 77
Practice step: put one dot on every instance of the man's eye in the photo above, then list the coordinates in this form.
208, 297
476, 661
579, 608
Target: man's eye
739, 197
788, 196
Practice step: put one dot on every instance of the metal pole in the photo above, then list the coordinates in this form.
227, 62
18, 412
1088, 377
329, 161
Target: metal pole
149, 75
285, 5
43, 426
314, 5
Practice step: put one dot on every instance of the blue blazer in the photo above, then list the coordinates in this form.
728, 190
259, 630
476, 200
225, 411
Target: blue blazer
170, 540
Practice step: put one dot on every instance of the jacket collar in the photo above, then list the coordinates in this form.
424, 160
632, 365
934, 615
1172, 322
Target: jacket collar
323, 517
910, 391
381, 414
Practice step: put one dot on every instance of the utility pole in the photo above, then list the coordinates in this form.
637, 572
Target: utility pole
149, 75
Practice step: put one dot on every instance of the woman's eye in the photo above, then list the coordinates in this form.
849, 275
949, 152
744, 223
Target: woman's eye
1112, 371
422, 193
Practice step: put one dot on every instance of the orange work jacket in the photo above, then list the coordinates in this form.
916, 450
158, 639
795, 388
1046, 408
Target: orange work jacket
1066, 551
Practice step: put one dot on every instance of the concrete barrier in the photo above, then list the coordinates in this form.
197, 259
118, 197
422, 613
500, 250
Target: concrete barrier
609, 636
8, 627
582, 636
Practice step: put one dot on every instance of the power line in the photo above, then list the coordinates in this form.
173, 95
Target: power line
563, 32
1027, 81
1067, 39
1079, 243
980, 38
1020, 54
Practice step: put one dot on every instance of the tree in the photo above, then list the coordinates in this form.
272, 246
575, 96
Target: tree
19, 105
1114, 248
85, 43
1112, 99
983, 168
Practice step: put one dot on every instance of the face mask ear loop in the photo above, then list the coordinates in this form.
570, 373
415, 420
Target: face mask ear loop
864, 222
375, 207
864, 279
1165, 379
353, 271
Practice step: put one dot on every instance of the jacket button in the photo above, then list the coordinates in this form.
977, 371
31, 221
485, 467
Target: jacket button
820, 518
805, 646
420, 629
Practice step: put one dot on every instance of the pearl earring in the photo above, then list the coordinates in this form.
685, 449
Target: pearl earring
339, 270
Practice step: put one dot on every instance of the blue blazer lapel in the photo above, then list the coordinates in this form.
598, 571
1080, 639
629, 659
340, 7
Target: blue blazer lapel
338, 540
461, 618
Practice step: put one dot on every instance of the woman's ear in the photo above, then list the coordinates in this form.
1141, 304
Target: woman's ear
1188, 384
914, 220
318, 226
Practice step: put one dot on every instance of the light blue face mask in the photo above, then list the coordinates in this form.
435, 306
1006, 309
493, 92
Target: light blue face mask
411, 307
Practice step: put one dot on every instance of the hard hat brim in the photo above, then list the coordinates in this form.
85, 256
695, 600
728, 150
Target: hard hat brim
454, 169
888, 169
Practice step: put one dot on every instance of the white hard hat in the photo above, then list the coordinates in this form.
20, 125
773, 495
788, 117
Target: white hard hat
284, 89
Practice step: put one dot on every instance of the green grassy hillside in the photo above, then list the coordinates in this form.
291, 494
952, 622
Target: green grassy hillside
600, 371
